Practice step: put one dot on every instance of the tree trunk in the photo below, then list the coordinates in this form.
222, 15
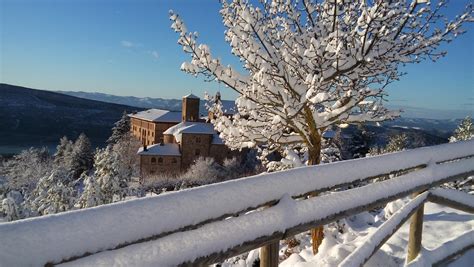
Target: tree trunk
317, 234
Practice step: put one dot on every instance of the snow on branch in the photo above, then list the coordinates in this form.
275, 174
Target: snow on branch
312, 64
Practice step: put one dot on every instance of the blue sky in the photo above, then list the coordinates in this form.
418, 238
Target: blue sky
126, 47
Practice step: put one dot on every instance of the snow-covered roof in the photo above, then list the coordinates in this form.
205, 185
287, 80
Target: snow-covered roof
191, 96
158, 115
188, 127
161, 150
191, 127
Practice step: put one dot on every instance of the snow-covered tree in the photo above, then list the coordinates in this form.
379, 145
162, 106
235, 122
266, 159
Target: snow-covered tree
10, 205
395, 143
63, 151
24, 170
126, 153
465, 131
52, 194
309, 65
82, 156
121, 129
203, 171
91, 195
112, 182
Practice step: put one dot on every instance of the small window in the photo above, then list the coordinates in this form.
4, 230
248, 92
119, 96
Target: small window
197, 152
198, 139
153, 160
174, 161
160, 160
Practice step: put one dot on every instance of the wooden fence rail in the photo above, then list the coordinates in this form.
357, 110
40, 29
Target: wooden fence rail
202, 231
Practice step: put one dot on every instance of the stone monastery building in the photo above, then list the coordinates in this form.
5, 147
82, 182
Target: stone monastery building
172, 141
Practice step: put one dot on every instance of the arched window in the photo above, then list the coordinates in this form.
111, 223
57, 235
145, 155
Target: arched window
160, 160
198, 139
153, 160
174, 160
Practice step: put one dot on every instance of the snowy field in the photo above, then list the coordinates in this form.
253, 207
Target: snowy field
440, 225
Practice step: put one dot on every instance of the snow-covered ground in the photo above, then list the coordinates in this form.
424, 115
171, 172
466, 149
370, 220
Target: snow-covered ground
440, 225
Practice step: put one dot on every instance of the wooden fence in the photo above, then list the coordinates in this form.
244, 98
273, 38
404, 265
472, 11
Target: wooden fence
269, 208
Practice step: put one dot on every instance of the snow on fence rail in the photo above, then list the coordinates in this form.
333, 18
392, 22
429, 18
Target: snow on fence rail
154, 224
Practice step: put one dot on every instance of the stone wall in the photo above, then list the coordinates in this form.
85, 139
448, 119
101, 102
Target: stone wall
194, 146
221, 152
153, 165
148, 132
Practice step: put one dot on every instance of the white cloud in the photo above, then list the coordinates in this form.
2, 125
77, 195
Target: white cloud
129, 44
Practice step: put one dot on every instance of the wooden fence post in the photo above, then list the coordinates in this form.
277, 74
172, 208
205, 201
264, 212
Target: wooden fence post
414, 238
269, 255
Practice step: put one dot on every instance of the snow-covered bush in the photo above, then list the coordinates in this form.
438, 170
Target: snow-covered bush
52, 194
203, 171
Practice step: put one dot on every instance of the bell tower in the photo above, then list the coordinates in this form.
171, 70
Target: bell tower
190, 109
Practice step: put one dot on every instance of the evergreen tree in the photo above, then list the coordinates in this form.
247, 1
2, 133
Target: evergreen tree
465, 131
92, 195
52, 194
81, 158
396, 143
112, 182
120, 130
63, 151
126, 153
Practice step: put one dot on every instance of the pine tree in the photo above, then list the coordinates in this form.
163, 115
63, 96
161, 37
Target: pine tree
52, 194
465, 131
81, 158
396, 143
120, 130
92, 195
63, 151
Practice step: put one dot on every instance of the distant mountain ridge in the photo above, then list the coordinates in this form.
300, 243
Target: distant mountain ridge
31, 117
409, 119
142, 102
